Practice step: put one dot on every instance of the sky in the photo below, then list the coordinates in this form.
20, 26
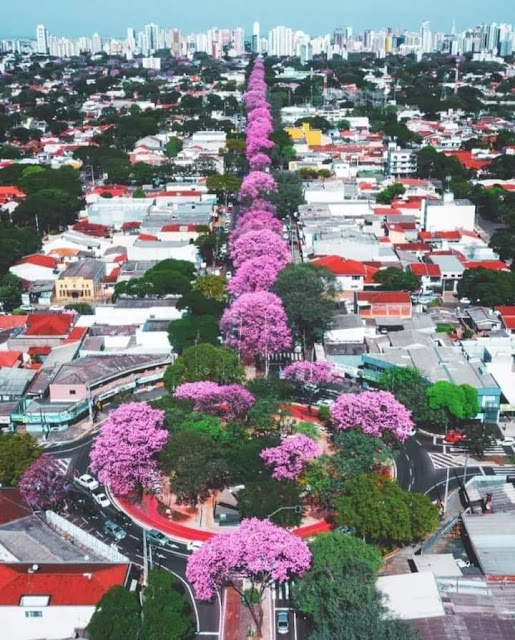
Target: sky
71, 18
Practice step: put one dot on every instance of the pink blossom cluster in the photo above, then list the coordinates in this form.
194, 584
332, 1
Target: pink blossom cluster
254, 221
256, 324
258, 550
314, 373
230, 401
256, 274
290, 458
259, 119
262, 242
256, 185
123, 454
42, 485
259, 204
259, 161
374, 412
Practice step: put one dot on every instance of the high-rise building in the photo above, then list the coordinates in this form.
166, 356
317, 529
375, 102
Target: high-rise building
238, 41
152, 35
41, 39
338, 37
280, 42
256, 38
426, 38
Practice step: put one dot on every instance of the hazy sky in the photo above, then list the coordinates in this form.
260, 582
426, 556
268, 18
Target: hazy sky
111, 17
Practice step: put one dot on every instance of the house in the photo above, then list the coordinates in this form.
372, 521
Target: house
36, 267
80, 282
451, 269
43, 329
381, 304
507, 314
351, 275
448, 214
304, 133
14, 383
429, 274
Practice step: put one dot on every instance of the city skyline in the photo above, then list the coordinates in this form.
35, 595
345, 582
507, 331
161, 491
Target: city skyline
67, 20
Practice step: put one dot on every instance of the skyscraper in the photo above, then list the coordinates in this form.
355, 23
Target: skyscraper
152, 35
426, 38
256, 38
280, 42
41, 39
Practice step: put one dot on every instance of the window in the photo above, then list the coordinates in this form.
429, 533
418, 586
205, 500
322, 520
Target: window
73, 392
33, 614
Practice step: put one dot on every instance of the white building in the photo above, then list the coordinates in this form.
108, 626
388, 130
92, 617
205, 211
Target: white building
401, 162
448, 214
281, 42
41, 39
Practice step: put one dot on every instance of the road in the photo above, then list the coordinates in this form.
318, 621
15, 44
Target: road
88, 515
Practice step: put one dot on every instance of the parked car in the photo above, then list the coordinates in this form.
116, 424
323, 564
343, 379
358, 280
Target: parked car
114, 530
156, 537
87, 481
56, 307
465, 301
283, 622
101, 499
454, 437
508, 441
27, 307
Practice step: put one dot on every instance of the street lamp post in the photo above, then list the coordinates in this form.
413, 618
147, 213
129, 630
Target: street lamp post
297, 508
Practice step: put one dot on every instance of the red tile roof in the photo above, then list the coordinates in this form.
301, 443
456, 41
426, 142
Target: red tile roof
76, 334
425, 269
133, 224
440, 235
65, 584
40, 260
147, 237
39, 351
179, 227
493, 265
9, 358
12, 322
343, 267
508, 322
49, 324
467, 160
384, 297
506, 310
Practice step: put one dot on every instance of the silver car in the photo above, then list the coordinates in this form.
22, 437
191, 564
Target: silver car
283, 622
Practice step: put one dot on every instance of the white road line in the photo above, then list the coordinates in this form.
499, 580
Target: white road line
482, 471
272, 614
131, 535
186, 584
294, 624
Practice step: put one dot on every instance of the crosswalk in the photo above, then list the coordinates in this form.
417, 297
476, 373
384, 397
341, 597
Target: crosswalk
281, 591
504, 471
445, 460
490, 451
63, 464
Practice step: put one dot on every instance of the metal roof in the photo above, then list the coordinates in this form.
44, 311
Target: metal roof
13, 382
492, 537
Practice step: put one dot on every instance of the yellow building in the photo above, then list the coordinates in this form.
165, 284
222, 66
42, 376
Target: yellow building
81, 282
304, 133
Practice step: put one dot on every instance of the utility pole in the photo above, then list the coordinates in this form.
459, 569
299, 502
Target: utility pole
145, 559
446, 490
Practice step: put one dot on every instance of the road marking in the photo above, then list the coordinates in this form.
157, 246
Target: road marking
444, 460
272, 612
282, 609
131, 535
482, 471
62, 465
186, 584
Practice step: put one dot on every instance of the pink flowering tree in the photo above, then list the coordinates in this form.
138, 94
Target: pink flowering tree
256, 185
257, 220
259, 204
376, 413
263, 113
258, 551
289, 459
230, 401
311, 376
256, 274
123, 455
256, 325
42, 485
257, 145
254, 244
259, 161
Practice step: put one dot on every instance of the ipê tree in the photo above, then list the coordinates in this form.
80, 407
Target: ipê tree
257, 551
256, 326
123, 454
289, 459
42, 485
256, 274
310, 376
229, 401
262, 242
376, 413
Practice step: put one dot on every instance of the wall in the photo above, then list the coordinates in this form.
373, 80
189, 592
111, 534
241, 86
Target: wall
111, 315
449, 217
67, 392
56, 622
149, 251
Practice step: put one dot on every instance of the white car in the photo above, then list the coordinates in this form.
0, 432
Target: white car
56, 307
87, 481
193, 545
101, 499
27, 307
509, 441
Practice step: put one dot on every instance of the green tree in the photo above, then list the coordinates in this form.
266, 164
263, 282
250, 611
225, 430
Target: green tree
139, 193
83, 308
224, 185
166, 613
460, 401
116, 616
209, 245
260, 498
487, 287
211, 286
196, 465
192, 330
386, 196
480, 436
393, 279
204, 362
11, 288
197, 304
289, 195
383, 513
173, 146
307, 295
342, 576
17, 452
